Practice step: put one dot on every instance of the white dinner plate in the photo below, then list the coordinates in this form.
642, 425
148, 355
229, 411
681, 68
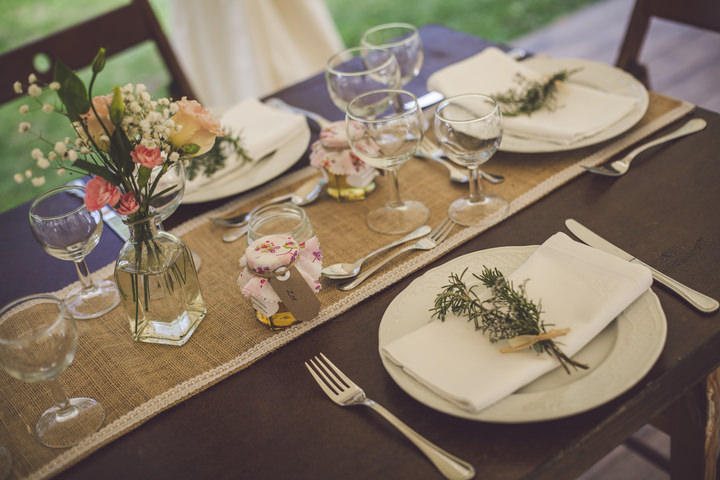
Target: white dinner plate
618, 357
251, 175
594, 75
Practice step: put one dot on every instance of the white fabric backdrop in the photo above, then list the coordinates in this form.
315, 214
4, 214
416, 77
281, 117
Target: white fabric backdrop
234, 49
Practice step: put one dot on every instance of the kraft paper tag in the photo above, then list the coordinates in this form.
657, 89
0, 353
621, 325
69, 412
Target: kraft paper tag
296, 294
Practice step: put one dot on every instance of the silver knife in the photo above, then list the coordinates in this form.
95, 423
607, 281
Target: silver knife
696, 299
109, 216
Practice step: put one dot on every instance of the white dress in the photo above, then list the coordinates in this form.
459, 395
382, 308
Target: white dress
234, 49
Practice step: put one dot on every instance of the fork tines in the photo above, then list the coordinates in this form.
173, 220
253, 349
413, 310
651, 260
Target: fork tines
442, 230
327, 375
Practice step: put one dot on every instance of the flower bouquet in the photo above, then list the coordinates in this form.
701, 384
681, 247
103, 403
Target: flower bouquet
127, 141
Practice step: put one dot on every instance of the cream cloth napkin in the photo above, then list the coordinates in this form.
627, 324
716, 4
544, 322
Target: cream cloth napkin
262, 129
580, 111
578, 287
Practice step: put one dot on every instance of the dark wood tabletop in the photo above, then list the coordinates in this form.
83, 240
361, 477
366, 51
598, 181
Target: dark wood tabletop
271, 421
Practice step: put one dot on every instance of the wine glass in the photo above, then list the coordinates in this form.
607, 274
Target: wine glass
38, 339
173, 180
359, 70
403, 40
66, 229
384, 129
469, 129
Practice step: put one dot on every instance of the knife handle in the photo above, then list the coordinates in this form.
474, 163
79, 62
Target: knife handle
698, 300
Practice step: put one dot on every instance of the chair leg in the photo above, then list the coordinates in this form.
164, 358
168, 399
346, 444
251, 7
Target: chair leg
694, 428
712, 425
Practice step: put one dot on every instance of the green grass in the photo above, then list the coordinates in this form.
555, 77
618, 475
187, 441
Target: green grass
25, 20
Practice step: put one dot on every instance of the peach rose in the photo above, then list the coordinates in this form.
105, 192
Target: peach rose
127, 204
93, 122
147, 157
99, 192
199, 127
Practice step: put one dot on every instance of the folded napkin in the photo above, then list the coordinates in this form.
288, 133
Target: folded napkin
262, 129
578, 287
580, 111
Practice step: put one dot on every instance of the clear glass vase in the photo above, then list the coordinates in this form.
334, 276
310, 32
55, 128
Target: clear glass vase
159, 287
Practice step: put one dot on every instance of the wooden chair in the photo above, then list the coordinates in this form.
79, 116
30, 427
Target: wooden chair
697, 13
116, 30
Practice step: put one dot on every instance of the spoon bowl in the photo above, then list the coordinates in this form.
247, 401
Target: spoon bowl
307, 193
341, 271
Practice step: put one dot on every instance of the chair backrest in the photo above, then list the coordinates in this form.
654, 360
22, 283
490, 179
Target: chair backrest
76, 46
697, 13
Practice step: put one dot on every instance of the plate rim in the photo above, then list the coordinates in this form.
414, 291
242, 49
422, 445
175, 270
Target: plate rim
291, 150
520, 145
503, 411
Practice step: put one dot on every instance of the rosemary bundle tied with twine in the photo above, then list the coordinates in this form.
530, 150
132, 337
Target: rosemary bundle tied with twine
508, 314
531, 96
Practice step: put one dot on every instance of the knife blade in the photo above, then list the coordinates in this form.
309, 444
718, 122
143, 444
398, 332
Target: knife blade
696, 299
109, 216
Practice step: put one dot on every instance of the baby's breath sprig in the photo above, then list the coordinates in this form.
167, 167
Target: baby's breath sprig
530, 95
507, 314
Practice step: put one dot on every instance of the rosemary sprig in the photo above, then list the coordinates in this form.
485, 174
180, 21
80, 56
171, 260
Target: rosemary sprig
507, 314
214, 160
531, 96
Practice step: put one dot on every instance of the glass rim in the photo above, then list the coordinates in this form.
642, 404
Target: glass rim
389, 91
444, 103
41, 298
386, 26
50, 193
330, 69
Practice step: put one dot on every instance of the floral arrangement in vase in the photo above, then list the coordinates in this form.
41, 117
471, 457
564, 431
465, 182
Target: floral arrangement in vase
127, 141
121, 137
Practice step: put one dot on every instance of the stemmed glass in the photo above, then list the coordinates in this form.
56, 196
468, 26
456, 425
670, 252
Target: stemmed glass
384, 129
403, 40
38, 339
358, 70
469, 129
166, 204
67, 230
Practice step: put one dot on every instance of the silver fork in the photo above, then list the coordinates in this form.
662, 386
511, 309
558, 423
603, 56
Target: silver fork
426, 243
620, 167
431, 151
345, 392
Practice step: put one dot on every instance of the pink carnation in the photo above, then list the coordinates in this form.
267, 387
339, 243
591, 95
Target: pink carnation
99, 192
128, 204
147, 157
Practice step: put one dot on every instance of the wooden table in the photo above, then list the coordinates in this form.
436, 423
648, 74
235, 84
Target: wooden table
271, 421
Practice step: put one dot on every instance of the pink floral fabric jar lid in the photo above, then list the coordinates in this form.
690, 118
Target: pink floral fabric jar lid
333, 152
273, 255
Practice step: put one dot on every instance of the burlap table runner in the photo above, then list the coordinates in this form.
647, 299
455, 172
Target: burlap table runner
135, 381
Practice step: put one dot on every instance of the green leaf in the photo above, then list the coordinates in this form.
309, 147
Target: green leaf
191, 148
143, 176
120, 148
72, 92
97, 170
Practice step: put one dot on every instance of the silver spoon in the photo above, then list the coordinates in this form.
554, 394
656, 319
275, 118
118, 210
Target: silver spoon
340, 271
307, 193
